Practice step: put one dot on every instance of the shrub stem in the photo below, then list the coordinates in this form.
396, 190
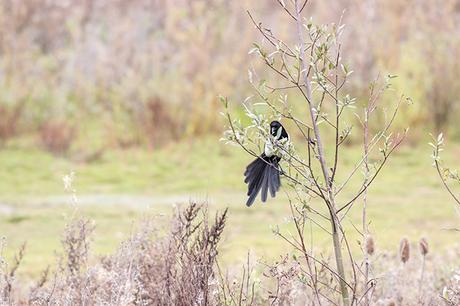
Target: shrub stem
330, 200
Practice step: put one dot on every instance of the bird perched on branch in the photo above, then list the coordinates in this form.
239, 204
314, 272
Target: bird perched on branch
264, 172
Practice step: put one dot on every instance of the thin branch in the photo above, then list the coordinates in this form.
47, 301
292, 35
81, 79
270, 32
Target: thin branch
271, 37
286, 9
438, 169
303, 6
372, 144
366, 185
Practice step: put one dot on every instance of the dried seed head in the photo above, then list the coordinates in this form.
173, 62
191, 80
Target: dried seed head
370, 245
404, 250
423, 246
391, 303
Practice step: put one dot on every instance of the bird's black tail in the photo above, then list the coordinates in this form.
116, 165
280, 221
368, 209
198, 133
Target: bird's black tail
262, 174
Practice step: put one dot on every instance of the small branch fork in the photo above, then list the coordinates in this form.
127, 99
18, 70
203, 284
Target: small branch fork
444, 182
437, 145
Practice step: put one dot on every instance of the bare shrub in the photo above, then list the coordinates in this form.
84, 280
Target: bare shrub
442, 59
176, 269
10, 117
8, 281
36, 294
73, 282
244, 289
159, 124
76, 245
57, 136
292, 285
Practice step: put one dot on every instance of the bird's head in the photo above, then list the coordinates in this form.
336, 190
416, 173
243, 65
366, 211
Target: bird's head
276, 129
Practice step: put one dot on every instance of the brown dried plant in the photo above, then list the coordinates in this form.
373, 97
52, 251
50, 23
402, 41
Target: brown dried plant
370, 245
423, 244
404, 250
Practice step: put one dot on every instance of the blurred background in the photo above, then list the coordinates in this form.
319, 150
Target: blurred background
125, 94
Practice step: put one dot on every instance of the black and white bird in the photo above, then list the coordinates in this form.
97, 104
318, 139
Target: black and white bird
263, 174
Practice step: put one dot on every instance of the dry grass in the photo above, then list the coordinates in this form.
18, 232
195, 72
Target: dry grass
179, 267
148, 268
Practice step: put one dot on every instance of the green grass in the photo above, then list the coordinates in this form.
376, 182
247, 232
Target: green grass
34, 172
115, 192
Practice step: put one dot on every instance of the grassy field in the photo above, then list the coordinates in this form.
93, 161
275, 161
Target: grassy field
125, 186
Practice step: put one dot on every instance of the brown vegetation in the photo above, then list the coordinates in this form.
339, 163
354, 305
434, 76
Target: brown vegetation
179, 267
57, 136
103, 61
173, 269
9, 120
404, 250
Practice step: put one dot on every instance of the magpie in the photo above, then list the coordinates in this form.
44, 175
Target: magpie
264, 172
